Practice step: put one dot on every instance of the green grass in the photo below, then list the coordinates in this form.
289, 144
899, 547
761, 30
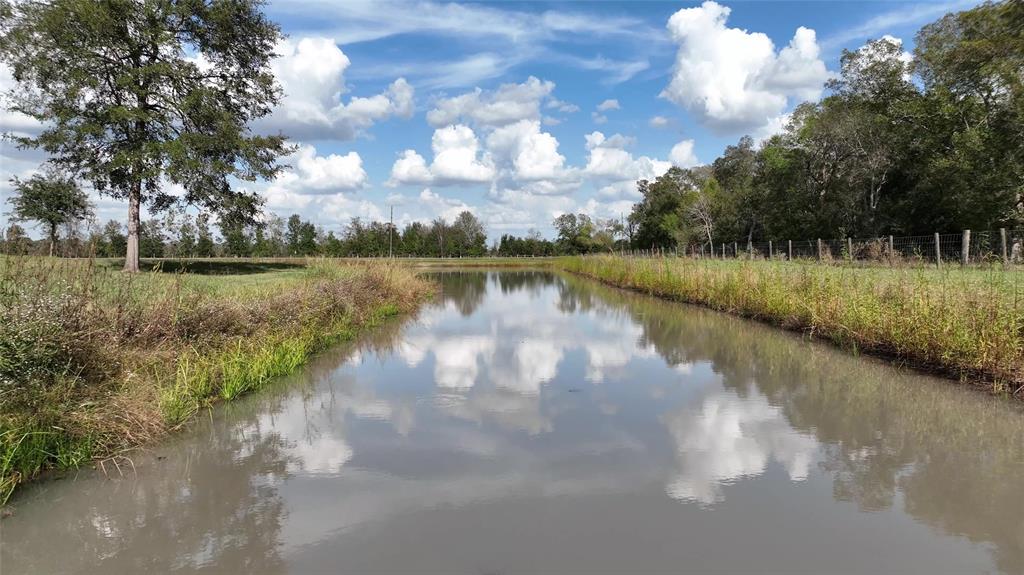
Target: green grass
965, 323
94, 361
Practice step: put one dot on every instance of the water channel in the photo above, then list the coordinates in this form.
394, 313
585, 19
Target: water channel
529, 422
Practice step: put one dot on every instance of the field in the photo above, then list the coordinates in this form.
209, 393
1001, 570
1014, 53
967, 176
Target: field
94, 362
966, 323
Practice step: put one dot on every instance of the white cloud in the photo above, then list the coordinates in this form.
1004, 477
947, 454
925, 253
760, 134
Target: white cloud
457, 160
564, 107
508, 104
316, 174
608, 105
528, 153
609, 160
658, 122
732, 79
311, 73
598, 118
682, 155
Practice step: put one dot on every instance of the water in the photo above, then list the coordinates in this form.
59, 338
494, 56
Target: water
533, 423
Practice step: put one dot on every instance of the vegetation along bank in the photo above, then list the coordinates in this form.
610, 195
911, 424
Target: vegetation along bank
94, 362
965, 323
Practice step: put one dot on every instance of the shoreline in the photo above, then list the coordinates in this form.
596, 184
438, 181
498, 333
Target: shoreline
739, 288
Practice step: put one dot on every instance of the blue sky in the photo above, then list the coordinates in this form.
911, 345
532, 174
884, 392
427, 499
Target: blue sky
520, 111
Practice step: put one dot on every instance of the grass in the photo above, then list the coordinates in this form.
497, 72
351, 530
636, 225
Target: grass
964, 323
94, 362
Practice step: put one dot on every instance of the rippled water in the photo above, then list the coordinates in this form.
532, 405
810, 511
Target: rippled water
534, 423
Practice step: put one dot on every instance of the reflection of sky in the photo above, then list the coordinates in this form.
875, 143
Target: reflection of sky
727, 438
466, 421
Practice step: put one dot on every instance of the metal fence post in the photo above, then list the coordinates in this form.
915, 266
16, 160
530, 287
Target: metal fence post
770, 253
819, 249
892, 251
938, 252
735, 249
1002, 240
849, 249
965, 248
790, 252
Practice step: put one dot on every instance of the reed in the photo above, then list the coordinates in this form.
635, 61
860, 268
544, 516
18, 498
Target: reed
967, 323
94, 362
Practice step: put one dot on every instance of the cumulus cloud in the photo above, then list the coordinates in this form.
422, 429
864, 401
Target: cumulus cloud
734, 80
457, 160
610, 162
682, 155
311, 173
608, 105
311, 72
527, 153
508, 104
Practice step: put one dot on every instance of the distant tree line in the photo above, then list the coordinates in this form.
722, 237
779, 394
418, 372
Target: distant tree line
901, 146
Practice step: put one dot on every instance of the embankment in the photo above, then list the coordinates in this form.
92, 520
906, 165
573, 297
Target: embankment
94, 362
967, 324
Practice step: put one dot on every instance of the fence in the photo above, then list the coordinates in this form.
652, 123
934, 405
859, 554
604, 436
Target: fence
967, 247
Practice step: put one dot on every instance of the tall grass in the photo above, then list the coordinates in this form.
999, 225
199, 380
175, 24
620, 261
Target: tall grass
965, 323
93, 361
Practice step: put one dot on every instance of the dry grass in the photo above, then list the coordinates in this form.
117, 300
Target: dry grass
94, 362
964, 323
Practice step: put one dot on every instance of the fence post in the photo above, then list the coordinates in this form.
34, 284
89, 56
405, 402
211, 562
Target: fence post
892, 251
1002, 240
735, 249
789, 251
770, 253
819, 249
750, 250
938, 252
965, 248
849, 249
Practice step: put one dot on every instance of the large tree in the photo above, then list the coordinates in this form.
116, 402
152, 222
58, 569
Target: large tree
51, 199
134, 95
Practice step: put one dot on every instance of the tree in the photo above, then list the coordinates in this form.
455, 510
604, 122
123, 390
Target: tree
113, 240
51, 199
15, 240
204, 239
134, 94
470, 235
662, 216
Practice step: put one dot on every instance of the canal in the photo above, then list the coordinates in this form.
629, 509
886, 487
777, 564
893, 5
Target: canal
529, 422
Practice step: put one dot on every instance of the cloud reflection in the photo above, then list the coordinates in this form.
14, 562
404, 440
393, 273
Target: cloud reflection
728, 438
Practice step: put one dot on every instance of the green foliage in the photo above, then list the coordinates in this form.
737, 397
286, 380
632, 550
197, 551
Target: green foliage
883, 153
124, 102
964, 322
51, 199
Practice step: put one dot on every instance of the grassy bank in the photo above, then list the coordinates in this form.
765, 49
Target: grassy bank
963, 323
94, 362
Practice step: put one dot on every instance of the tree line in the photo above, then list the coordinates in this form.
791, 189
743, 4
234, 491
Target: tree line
900, 146
183, 235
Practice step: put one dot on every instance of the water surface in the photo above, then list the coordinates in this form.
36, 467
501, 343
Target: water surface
534, 423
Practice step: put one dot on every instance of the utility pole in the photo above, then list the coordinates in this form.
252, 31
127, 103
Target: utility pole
391, 230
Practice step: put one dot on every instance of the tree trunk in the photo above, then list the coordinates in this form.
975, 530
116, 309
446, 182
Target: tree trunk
131, 259
53, 238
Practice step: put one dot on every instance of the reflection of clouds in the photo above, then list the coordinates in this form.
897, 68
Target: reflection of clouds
535, 362
455, 360
508, 409
314, 438
730, 438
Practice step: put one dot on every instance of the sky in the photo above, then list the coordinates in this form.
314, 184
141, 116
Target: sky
522, 111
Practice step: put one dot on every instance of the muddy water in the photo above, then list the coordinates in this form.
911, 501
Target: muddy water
533, 423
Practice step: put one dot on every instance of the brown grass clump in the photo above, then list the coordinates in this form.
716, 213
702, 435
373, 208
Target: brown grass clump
93, 362
967, 323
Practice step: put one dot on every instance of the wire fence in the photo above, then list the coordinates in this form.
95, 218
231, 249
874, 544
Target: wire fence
964, 248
